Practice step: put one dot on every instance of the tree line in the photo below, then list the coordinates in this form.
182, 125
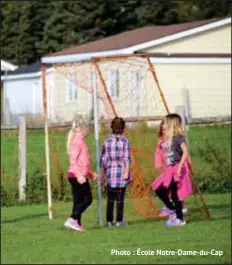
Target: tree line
32, 29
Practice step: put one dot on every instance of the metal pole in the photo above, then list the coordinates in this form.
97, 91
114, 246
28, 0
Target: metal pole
47, 148
96, 131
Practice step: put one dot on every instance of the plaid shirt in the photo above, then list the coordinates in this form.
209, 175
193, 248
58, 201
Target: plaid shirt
114, 158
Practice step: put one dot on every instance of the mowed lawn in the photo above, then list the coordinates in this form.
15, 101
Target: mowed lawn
142, 140
29, 237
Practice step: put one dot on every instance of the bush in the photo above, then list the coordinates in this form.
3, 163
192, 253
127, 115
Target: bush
8, 196
4, 199
212, 167
216, 175
142, 127
36, 190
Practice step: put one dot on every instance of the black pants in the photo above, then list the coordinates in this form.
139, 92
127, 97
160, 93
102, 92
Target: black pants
82, 198
118, 195
176, 204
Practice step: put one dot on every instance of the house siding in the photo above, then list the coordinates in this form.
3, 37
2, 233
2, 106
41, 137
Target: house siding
209, 87
63, 109
23, 96
213, 41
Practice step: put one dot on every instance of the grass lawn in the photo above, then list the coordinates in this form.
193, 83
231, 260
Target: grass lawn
144, 140
29, 237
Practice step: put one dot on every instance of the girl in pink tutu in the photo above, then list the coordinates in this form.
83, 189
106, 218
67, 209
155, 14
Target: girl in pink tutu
174, 185
186, 188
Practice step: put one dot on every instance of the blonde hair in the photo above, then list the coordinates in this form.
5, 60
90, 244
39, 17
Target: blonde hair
174, 126
78, 126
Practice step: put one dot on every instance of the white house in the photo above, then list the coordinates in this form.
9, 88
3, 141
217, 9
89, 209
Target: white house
6, 66
194, 55
23, 92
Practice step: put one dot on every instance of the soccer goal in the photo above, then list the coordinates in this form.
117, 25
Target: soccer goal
100, 89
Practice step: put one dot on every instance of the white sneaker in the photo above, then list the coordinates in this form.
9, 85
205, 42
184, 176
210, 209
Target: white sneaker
176, 222
122, 224
68, 222
71, 223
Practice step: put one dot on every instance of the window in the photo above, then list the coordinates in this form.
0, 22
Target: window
114, 83
72, 87
92, 80
135, 99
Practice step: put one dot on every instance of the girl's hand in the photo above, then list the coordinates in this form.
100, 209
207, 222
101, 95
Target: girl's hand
125, 175
81, 179
103, 180
179, 171
95, 176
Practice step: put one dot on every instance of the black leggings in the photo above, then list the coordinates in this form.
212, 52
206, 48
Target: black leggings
115, 194
175, 204
82, 198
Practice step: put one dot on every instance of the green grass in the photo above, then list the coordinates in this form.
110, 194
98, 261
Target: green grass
145, 141
29, 237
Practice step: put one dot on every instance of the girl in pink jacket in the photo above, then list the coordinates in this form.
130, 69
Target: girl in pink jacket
78, 173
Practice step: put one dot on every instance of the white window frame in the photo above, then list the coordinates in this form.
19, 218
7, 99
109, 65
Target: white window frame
135, 84
114, 81
72, 87
92, 83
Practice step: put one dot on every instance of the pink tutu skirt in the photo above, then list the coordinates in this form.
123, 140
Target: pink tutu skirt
184, 186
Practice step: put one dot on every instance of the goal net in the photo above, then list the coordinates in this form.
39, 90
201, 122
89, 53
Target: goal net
127, 86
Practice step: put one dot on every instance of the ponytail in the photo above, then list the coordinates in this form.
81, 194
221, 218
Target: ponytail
77, 127
70, 136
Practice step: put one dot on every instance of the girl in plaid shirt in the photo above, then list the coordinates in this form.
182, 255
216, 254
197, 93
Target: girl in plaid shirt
115, 161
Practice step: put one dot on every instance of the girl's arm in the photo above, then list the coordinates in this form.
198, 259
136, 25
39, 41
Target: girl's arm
127, 161
189, 163
93, 174
158, 161
184, 157
103, 159
74, 154
103, 162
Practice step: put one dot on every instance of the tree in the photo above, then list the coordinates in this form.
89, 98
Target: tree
9, 29
31, 29
61, 28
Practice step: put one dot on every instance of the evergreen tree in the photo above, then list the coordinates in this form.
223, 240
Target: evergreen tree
32, 29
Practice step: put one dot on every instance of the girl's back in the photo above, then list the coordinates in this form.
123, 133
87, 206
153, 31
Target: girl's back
116, 149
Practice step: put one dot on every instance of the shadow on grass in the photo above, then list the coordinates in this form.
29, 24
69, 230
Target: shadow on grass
24, 218
217, 212
214, 207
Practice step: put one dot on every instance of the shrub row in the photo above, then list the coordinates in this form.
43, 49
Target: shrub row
214, 176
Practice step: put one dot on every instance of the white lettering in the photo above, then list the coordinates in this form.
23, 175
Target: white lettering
216, 253
165, 252
186, 252
120, 252
145, 252
204, 252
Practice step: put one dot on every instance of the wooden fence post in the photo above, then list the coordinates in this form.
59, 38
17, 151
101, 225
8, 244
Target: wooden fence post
22, 158
7, 113
186, 102
181, 111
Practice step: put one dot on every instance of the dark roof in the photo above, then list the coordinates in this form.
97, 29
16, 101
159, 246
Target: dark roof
190, 55
28, 69
133, 37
